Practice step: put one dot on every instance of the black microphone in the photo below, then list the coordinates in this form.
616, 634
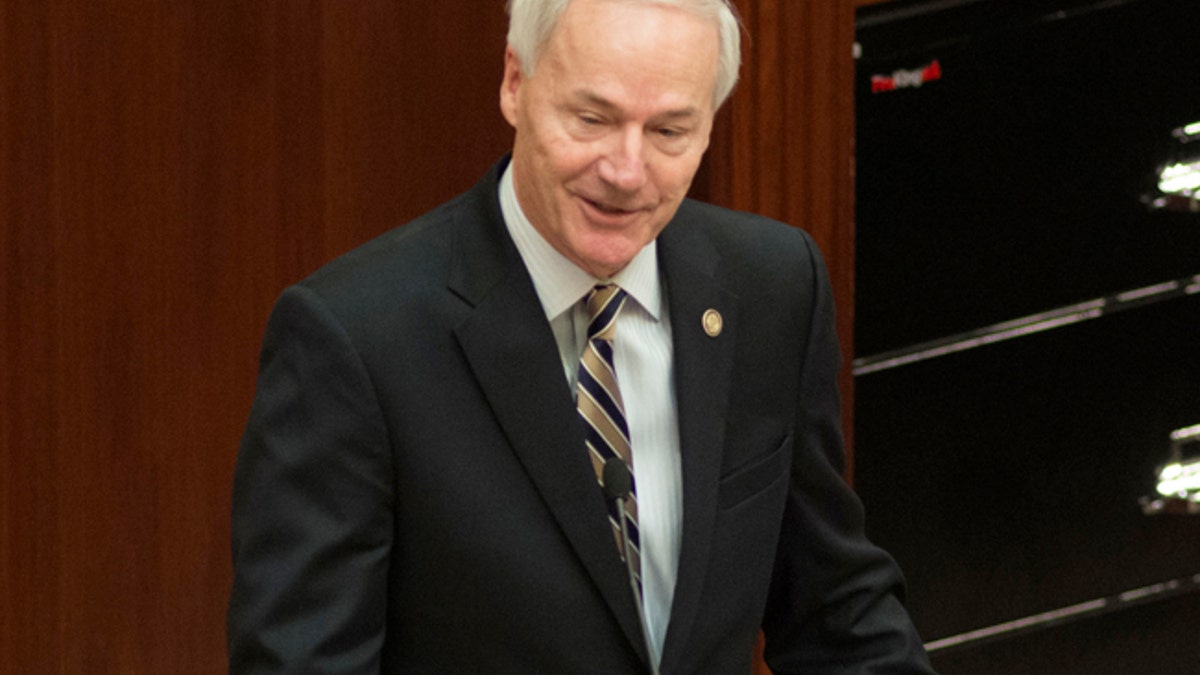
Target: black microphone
618, 482
618, 485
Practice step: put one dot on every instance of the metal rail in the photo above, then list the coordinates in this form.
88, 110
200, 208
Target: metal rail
1027, 325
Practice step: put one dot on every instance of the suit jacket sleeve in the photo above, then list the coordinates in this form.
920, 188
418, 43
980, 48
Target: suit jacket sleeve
312, 509
834, 604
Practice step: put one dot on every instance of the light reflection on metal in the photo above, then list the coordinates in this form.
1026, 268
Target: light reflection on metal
1180, 179
1028, 325
1188, 132
1186, 434
1148, 291
1177, 180
1131, 598
1180, 477
1178, 480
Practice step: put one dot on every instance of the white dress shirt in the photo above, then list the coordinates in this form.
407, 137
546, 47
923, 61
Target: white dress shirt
643, 358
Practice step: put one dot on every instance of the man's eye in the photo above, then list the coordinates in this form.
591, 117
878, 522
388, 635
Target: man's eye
590, 120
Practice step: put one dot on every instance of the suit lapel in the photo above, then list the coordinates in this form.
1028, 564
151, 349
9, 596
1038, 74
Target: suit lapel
703, 367
512, 351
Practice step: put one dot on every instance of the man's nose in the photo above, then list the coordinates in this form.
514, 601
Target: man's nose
624, 164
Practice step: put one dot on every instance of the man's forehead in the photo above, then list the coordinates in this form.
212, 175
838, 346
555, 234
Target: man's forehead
571, 17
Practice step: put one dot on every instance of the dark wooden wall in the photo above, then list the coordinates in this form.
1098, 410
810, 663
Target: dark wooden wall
167, 168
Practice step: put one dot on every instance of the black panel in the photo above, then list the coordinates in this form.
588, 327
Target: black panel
1013, 184
1006, 479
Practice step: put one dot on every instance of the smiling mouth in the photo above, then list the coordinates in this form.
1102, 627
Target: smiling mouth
606, 209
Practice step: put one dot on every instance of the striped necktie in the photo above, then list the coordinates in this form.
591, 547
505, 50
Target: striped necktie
601, 409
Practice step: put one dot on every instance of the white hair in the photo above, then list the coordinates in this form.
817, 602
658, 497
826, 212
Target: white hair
531, 23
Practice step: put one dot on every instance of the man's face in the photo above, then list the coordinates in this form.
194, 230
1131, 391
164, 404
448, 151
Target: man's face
611, 127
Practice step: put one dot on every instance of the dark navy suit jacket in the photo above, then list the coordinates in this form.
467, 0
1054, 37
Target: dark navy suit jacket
412, 494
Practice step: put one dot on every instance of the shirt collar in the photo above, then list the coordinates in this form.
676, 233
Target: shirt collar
558, 281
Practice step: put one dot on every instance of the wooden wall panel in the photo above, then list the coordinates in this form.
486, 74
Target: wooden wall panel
165, 170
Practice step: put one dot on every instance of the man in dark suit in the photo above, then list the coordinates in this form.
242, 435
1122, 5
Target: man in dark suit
422, 483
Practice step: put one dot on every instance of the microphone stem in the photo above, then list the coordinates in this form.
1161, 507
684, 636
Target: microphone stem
633, 586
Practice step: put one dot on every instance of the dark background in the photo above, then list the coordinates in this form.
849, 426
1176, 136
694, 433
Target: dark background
1013, 184
1006, 479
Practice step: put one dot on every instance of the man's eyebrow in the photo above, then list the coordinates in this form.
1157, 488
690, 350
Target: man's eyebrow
592, 98
682, 113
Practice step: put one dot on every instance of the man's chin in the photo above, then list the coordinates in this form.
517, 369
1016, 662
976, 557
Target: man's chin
607, 258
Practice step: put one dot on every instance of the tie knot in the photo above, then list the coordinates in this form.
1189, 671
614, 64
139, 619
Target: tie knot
604, 301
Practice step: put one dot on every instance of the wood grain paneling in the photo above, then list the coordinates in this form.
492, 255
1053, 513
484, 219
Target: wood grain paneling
165, 170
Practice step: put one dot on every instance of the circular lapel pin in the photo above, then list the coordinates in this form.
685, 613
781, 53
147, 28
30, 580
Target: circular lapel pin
712, 322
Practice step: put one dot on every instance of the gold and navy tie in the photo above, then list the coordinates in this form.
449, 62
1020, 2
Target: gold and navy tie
602, 411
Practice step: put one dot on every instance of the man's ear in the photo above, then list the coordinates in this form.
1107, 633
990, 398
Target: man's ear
510, 87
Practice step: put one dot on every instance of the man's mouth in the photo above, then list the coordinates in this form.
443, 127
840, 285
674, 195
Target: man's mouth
607, 209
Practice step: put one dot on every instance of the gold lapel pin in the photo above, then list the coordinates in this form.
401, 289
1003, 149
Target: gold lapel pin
712, 322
